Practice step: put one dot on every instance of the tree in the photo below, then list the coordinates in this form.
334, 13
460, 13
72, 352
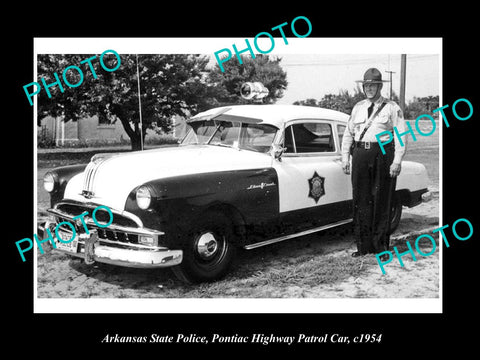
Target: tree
169, 85
308, 102
343, 101
423, 105
61, 104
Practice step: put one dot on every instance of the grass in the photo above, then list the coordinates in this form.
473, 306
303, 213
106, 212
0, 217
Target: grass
425, 150
311, 273
43, 142
72, 156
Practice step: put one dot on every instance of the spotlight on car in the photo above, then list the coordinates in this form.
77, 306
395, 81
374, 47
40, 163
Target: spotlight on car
253, 91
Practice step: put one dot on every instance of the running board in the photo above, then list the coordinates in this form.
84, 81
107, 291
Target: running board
302, 233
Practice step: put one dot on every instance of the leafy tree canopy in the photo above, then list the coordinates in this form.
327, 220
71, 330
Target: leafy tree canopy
170, 84
343, 101
261, 68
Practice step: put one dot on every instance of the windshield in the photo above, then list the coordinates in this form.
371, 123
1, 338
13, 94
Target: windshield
255, 137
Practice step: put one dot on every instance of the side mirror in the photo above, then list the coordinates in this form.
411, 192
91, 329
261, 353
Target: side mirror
277, 151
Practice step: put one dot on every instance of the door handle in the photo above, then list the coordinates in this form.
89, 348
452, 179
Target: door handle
338, 159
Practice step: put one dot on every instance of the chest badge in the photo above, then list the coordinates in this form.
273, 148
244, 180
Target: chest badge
317, 187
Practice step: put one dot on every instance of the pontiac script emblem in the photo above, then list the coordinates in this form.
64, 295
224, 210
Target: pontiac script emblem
317, 188
261, 186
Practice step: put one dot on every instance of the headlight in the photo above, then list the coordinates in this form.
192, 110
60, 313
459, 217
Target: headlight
144, 198
49, 182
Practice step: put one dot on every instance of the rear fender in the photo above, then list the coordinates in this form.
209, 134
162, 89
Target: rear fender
413, 177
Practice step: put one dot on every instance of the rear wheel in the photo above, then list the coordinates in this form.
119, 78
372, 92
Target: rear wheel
208, 250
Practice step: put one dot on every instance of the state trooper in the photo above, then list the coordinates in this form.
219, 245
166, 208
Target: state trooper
373, 173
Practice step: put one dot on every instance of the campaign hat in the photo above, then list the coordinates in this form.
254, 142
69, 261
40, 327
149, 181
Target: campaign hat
372, 76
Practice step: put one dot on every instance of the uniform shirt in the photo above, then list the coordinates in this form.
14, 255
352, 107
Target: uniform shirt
389, 117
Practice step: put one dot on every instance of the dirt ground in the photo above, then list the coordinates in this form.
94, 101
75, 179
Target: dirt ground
314, 266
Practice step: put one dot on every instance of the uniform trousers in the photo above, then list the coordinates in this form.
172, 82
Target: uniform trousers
373, 190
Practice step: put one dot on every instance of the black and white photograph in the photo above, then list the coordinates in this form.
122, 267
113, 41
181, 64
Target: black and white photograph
182, 181
160, 176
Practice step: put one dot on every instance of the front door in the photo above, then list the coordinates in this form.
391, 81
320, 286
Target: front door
313, 190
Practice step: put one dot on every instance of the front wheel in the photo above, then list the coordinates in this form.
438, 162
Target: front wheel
208, 250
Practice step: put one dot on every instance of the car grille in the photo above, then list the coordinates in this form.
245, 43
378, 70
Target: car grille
101, 215
119, 236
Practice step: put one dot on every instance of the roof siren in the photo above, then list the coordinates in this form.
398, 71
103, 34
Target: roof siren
255, 91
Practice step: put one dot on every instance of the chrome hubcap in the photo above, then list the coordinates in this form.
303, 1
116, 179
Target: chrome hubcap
207, 245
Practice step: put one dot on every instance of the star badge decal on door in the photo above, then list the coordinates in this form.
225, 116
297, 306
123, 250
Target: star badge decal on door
316, 185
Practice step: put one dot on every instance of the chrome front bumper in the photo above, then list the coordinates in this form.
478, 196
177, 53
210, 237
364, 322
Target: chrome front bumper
94, 249
129, 257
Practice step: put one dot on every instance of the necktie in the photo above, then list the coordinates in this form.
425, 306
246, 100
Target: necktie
370, 109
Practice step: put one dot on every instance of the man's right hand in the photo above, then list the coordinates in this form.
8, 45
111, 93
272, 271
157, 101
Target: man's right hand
346, 167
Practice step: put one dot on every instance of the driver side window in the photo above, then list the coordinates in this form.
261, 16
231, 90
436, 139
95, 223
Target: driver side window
309, 137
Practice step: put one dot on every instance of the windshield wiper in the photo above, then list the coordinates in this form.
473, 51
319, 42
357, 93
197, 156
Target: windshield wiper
221, 144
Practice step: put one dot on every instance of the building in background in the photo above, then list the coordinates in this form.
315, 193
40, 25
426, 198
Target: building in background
90, 132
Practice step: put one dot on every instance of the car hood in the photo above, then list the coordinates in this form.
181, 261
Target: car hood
111, 178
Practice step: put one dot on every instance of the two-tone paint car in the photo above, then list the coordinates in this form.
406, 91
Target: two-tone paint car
244, 176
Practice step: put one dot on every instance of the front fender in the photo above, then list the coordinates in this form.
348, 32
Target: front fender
182, 199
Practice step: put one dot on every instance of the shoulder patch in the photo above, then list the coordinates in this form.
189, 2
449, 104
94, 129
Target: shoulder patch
395, 108
391, 102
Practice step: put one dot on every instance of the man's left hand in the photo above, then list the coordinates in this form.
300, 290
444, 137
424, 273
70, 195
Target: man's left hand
395, 169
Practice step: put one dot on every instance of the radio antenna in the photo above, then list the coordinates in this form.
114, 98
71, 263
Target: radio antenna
139, 106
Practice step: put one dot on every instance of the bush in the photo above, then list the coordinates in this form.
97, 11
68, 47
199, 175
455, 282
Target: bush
161, 140
343, 101
420, 106
45, 139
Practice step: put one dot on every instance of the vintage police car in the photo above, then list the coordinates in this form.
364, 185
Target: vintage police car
243, 176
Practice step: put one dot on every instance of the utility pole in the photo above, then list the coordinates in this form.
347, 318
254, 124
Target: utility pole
390, 72
403, 68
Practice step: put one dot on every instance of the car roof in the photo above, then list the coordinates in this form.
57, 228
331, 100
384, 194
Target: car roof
271, 114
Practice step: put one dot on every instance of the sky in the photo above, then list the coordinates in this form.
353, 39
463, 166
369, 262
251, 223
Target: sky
314, 66
314, 75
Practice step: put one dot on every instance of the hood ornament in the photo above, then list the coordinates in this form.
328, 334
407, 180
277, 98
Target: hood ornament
87, 194
90, 172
